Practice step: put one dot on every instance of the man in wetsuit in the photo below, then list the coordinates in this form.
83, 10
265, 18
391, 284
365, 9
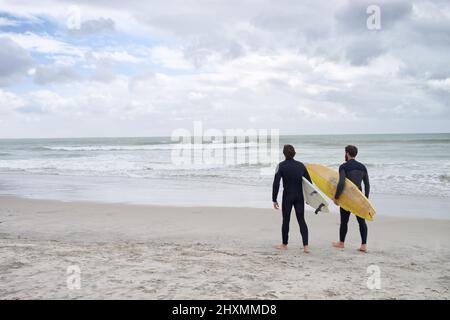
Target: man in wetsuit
357, 173
292, 172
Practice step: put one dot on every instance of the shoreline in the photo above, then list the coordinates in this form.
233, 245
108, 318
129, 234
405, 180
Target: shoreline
159, 252
333, 210
386, 204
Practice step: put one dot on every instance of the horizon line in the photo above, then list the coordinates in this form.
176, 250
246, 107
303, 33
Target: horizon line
281, 135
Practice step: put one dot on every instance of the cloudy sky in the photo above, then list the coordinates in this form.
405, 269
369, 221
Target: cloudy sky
145, 68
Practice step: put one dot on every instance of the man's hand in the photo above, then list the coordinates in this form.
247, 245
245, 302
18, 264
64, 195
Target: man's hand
335, 202
276, 206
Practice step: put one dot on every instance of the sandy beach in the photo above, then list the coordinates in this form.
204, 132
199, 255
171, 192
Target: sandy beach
154, 252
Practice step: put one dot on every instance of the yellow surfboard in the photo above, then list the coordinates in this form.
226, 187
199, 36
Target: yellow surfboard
351, 199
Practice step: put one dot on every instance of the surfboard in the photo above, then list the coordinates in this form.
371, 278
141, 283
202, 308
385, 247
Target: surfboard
351, 199
313, 198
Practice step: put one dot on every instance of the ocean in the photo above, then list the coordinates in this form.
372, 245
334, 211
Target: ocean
142, 170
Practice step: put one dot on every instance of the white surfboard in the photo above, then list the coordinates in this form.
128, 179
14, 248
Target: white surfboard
314, 198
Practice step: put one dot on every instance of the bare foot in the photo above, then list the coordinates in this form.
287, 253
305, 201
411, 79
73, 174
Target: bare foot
363, 248
280, 246
339, 245
306, 249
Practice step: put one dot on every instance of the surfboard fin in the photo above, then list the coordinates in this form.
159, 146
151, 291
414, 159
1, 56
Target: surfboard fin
319, 208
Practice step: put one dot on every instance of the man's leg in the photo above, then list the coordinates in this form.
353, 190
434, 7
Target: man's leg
345, 216
363, 232
286, 207
300, 213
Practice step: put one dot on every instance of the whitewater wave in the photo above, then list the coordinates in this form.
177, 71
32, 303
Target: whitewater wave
408, 170
109, 148
170, 146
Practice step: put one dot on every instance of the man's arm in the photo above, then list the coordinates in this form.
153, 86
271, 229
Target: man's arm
276, 184
306, 175
366, 184
341, 183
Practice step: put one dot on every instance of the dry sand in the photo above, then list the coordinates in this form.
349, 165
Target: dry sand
150, 252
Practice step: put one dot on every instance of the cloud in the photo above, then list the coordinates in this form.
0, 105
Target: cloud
44, 43
440, 84
169, 58
43, 102
15, 61
120, 55
54, 74
352, 17
7, 22
286, 64
94, 26
9, 102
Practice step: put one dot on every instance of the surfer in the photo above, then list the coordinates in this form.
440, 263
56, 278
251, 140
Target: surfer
292, 172
357, 173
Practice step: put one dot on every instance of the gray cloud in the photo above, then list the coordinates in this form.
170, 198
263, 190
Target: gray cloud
353, 16
278, 62
15, 61
94, 26
360, 50
54, 74
103, 68
30, 109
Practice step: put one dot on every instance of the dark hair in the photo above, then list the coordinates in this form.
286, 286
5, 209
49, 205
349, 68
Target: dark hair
288, 151
352, 150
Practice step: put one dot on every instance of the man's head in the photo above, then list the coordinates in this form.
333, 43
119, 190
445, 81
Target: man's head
350, 152
288, 151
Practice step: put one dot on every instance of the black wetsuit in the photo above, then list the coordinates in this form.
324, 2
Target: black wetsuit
292, 172
357, 173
